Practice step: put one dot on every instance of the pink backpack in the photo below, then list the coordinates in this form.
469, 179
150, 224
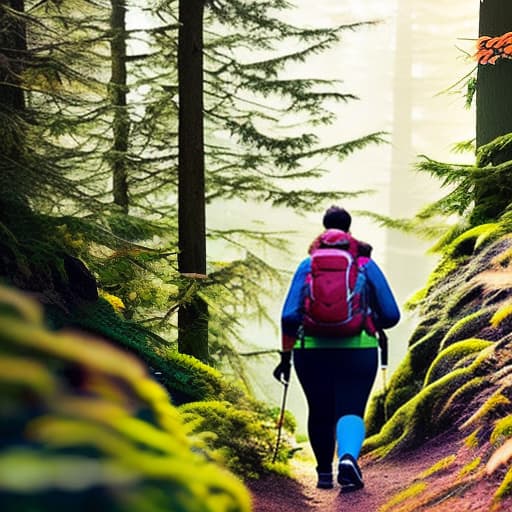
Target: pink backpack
335, 302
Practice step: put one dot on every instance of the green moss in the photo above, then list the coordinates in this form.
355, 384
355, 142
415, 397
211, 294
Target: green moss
402, 387
504, 259
505, 488
469, 468
186, 378
423, 353
241, 439
416, 299
462, 396
474, 238
502, 430
446, 266
448, 358
424, 328
439, 466
411, 491
467, 327
416, 419
375, 415
496, 406
503, 314
472, 441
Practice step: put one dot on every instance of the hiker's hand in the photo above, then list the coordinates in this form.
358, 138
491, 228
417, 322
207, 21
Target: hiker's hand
282, 370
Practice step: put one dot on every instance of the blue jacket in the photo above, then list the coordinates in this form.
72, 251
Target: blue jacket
386, 312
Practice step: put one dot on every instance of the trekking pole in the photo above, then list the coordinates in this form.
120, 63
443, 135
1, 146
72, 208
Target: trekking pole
383, 344
281, 420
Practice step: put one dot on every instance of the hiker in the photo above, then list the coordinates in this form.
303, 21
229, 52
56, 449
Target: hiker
336, 363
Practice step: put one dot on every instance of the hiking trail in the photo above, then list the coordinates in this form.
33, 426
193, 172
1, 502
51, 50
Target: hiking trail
383, 480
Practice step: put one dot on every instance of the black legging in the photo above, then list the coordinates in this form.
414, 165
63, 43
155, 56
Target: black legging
336, 382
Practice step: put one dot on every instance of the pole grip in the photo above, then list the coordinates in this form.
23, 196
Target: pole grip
383, 344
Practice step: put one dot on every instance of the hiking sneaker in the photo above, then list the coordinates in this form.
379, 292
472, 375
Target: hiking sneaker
349, 475
324, 481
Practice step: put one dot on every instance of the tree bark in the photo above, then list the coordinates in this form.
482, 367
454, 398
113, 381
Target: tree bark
493, 113
192, 316
13, 52
118, 88
493, 98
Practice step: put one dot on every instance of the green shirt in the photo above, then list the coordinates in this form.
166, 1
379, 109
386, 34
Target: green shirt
363, 340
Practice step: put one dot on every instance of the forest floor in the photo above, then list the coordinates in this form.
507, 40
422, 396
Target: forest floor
383, 481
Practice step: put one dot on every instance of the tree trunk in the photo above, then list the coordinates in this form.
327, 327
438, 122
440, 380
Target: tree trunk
493, 112
192, 316
13, 49
493, 98
118, 88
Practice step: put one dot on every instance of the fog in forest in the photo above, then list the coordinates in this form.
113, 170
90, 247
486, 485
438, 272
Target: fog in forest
400, 69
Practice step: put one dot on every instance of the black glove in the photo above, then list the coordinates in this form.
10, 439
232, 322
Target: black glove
282, 370
383, 344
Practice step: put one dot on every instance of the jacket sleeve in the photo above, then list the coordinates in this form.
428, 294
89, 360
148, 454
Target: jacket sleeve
382, 298
292, 313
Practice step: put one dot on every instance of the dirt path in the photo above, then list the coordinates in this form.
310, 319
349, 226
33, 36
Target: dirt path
382, 481
279, 494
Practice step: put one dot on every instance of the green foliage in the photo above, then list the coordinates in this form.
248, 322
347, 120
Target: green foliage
242, 439
472, 239
260, 125
64, 136
84, 426
477, 198
185, 377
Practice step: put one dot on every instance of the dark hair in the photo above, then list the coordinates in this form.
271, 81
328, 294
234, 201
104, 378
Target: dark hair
337, 218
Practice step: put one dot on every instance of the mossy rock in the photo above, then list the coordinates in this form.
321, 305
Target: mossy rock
451, 357
425, 327
425, 351
475, 393
502, 317
416, 420
475, 238
424, 414
469, 326
375, 416
457, 406
469, 295
402, 387
502, 431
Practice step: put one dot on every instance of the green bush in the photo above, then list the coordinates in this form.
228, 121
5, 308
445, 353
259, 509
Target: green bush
241, 439
84, 427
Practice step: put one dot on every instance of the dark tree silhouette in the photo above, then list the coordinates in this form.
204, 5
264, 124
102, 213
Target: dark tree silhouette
193, 314
493, 98
118, 89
